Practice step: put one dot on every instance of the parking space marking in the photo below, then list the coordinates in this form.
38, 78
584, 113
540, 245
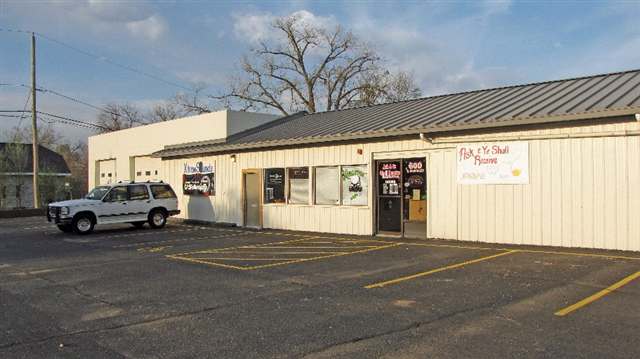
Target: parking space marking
437, 270
577, 254
264, 252
598, 295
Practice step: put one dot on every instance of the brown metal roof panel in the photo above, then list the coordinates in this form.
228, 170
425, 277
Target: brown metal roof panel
548, 100
468, 112
587, 96
599, 100
513, 103
487, 112
621, 96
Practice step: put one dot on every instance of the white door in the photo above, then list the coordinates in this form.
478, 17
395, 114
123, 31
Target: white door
115, 208
139, 202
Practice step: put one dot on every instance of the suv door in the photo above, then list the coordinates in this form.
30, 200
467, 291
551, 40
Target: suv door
115, 206
139, 202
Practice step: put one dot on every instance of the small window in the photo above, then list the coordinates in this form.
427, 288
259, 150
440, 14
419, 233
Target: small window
138, 173
102, 175
355, 185
138, 193
147, 173
162, 191
156, 172
274, 185
117, 194
299, 185
109, 175
327, 185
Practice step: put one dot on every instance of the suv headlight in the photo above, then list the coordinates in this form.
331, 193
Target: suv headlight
64, 210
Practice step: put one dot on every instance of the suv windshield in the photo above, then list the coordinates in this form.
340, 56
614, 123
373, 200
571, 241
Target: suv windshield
98, 192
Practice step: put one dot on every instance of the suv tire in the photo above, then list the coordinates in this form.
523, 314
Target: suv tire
157, 218
82, 224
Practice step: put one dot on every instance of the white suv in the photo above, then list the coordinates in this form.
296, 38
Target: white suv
135, 203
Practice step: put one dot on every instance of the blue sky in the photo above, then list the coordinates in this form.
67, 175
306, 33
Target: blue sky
448, 46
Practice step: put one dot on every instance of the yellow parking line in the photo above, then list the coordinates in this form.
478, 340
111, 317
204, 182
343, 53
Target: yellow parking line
252, 259
578, 254
598, 295
437, 270
321, 257
319, 247
205, 262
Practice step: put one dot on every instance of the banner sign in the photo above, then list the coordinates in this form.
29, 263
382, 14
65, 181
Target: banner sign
198, 179
493, 163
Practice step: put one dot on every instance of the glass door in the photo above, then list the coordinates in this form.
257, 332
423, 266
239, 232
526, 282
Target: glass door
401, 197
414, 206
389, 196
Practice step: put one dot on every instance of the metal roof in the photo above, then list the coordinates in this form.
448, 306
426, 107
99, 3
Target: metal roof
598, 96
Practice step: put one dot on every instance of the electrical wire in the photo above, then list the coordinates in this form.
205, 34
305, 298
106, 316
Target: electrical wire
101, 58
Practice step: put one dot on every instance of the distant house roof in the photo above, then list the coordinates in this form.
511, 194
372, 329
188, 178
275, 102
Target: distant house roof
590, 97
18, 158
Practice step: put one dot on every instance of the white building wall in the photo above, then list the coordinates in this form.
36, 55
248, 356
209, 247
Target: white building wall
583, 189
125, 145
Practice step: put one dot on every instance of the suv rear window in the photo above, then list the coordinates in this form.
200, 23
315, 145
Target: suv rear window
162, 191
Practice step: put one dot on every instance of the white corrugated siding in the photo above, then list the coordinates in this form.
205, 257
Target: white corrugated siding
583, 192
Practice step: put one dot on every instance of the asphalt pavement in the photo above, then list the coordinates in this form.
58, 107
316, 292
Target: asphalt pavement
193, 291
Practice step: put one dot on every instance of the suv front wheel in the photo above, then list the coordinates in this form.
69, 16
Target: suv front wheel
82, 224
157, 218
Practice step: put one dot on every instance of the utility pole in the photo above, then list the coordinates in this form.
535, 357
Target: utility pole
34, 122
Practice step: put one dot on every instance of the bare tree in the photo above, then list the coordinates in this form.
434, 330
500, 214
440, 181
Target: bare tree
76, 155
192, 103
116, 117
308, 67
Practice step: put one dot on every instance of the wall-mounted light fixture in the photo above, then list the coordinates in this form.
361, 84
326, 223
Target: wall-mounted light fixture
359, 151
233, 158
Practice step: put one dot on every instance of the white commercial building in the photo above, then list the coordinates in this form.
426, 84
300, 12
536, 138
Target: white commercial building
554, 163
125, 155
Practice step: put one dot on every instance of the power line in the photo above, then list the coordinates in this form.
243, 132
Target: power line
101, 58
45, 90
59, 118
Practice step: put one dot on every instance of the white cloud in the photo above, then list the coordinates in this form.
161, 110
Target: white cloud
150, 28
254, 28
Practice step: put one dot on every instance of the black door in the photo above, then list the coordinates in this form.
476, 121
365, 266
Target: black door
389, 196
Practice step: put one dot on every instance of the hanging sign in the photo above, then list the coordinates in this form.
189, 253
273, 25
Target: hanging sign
198, 179
389, 176
493, 163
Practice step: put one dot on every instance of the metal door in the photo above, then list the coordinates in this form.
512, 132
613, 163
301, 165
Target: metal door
252, 199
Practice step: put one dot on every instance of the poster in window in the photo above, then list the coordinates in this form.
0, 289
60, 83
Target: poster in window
198, 179
299, 185
355, 185
274, 185
389, 177
415, 179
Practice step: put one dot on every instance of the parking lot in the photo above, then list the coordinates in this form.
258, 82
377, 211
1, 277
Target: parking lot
201, 291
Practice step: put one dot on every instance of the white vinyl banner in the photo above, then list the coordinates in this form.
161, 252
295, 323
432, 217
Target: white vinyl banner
493, 163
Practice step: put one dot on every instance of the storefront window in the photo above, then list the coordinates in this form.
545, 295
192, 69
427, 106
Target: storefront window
327, 185
355, 181
274, 185
299, 185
